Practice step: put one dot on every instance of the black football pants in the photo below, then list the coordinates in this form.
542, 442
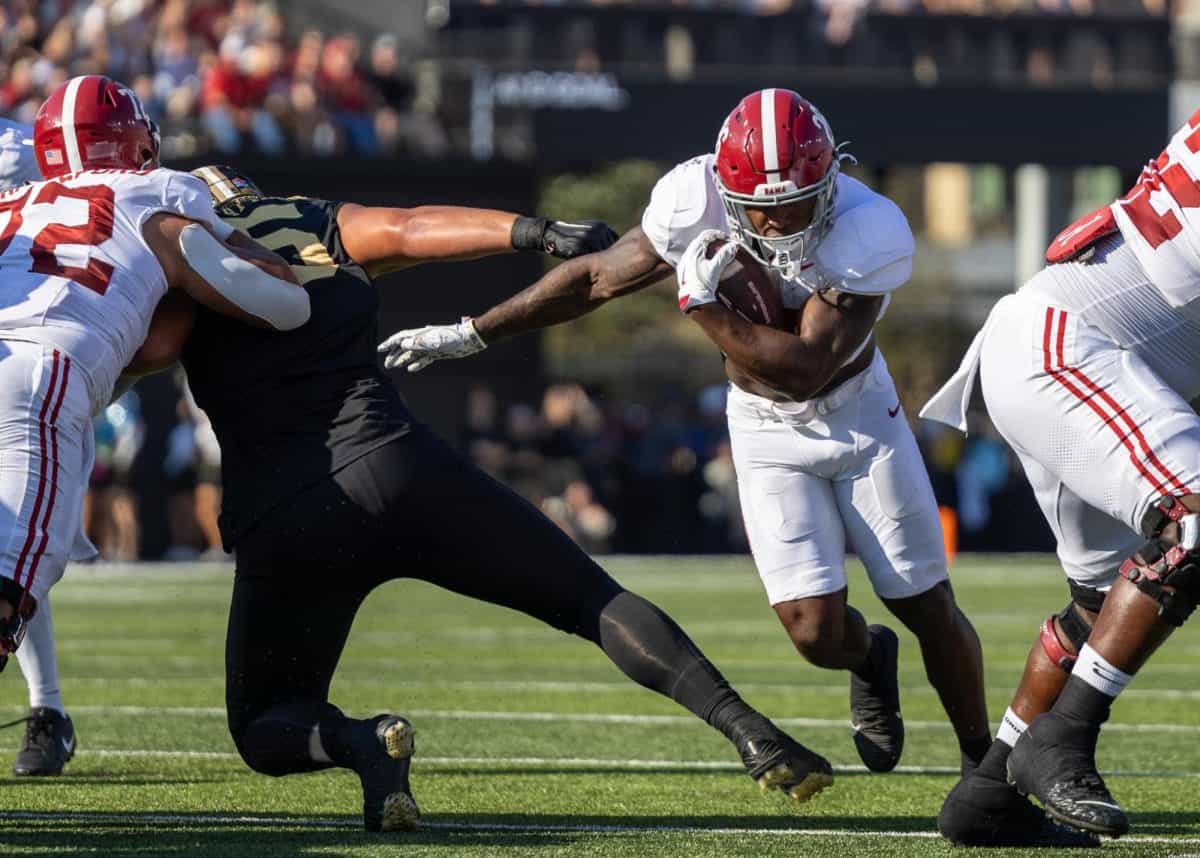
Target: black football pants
416, 509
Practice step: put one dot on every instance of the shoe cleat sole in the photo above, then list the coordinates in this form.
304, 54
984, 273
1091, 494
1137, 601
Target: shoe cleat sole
782, 778
398, 739
400, 813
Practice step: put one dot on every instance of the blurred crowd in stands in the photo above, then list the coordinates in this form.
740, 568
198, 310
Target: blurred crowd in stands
227, 74
247, 74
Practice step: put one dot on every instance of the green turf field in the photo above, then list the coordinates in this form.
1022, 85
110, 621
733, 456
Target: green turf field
531, 743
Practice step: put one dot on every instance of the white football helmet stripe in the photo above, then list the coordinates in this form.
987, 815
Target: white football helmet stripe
70, 141
770, 133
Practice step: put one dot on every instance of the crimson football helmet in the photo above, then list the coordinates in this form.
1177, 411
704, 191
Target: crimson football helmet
93, 122
776, 149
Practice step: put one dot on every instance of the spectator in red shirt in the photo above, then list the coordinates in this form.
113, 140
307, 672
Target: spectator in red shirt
235, 93
350, 95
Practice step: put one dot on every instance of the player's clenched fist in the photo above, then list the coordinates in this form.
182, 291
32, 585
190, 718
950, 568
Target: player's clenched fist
417, 348
699, 272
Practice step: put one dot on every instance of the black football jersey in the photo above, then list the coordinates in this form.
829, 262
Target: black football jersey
290, 408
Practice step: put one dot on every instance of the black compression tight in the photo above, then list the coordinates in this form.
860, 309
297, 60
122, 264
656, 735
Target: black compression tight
416, 509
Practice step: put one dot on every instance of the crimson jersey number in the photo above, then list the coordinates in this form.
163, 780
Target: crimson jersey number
1158, 228
95, 231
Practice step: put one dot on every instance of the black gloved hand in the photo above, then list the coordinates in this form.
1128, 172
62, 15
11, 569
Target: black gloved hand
560, 238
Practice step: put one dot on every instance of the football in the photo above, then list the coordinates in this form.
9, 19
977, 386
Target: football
749, 289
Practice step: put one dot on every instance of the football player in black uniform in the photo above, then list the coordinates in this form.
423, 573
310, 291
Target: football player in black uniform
331, 487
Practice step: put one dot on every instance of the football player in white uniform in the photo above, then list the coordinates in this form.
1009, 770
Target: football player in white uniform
1087, 371
49, 741
821, 449
85, 257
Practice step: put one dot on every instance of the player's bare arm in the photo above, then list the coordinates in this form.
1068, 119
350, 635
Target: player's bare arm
576, 288
832, 326
390, 239
246, 282
384, 239
570, 290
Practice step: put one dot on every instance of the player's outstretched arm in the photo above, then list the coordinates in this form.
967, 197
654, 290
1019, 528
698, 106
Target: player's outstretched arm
567, 292
240, 279
389, 239
832, 326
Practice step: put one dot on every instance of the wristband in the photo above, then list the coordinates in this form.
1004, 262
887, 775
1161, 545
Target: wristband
528, 233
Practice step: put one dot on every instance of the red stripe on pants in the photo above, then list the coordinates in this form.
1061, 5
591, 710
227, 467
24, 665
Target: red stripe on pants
41, 549
37, 504
1059, 374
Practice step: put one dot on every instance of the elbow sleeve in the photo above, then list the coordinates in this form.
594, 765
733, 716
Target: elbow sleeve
282, 305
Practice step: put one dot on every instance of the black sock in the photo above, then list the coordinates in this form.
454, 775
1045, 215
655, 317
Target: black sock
277, 742
654, 652
973, 751
994, 764
1081, 702
868, 668
342, 740
733, 716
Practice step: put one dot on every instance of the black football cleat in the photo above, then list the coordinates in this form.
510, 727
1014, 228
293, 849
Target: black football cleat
48, 745
875, 705
1055, 761
985, 812
777, 761
383, 748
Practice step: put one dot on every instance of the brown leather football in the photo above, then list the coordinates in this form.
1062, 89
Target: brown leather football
749, 289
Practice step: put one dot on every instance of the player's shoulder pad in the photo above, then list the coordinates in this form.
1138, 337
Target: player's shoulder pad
682, 205
869, 248
184, 192
188, 195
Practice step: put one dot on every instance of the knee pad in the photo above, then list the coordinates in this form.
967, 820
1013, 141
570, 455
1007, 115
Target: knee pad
1076, 630
1168, 569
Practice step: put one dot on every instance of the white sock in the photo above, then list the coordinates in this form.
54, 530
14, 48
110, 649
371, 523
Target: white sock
39, 664
1092, 668
1011, 728
316, 750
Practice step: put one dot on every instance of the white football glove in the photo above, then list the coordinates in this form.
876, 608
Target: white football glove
698, 277
417, 348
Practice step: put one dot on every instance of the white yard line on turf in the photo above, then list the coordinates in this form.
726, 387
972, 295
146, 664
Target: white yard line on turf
504, 827
579, 718
591, 763
598, 687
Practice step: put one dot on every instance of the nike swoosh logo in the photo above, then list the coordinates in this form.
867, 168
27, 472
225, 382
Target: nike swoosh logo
1100, 803
892, 412
69, 745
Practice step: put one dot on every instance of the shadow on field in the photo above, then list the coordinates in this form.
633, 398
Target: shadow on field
70, 781
667, 767
763, 822
1165, 822
267, 835
209, 834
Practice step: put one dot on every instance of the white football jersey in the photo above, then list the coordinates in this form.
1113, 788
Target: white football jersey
1160, 217
868, 249
17, 163
75, 269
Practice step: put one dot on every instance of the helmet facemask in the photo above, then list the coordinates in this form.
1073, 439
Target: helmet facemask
229, 188
784, 253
